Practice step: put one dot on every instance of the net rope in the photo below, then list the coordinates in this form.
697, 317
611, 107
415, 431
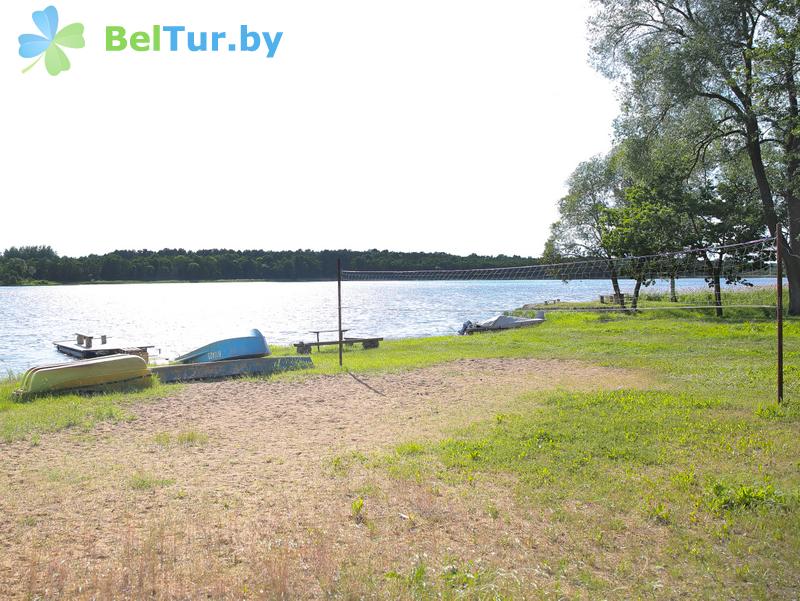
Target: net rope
735, 262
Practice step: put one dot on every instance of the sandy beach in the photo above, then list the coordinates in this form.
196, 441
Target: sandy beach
250, 484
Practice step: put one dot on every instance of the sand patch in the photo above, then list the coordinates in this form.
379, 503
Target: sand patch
231, 482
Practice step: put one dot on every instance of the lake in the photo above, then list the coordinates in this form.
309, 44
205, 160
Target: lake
176, 318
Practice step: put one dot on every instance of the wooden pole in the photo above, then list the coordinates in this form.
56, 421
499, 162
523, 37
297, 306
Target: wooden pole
779, 311
339, 288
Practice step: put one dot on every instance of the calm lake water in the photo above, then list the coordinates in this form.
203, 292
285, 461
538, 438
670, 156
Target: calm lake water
176, 318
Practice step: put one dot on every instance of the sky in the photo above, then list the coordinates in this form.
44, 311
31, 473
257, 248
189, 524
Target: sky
414, 126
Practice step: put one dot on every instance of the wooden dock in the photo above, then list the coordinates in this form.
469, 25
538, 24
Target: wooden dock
89, 347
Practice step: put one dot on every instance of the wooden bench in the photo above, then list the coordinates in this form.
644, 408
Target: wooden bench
304, 348
615, 299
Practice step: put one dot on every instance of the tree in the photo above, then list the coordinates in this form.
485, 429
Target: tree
582, 227
659, 167
682, 200
16, 270
737, 60
639, 226
653, 195
723, 210
30, 252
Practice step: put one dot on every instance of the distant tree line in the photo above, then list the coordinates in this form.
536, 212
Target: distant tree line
42, 263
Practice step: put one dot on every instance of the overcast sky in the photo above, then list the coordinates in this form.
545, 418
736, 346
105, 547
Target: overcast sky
416, 125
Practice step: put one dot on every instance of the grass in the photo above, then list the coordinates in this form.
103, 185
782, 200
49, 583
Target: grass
357, 511
698, 475
30, 419
760, 297
184, 438
147, 481
191, 438
695, 481
661, 341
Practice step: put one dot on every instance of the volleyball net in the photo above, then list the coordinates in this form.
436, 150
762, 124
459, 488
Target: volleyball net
742, 279
685, 277
756, 258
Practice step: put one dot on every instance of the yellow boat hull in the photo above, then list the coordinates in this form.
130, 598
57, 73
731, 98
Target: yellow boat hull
86, 374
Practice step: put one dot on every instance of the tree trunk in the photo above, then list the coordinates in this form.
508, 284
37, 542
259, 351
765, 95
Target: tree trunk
714, 270
615, 284
636, 288
759, 171
792, 194
717, 293
791, 263
718, 286
673, 296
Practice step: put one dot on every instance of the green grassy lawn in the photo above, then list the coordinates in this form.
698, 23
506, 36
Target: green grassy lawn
758, 298
28, 420
647, 340
703, 487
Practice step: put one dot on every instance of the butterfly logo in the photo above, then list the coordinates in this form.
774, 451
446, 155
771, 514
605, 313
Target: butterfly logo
50, 42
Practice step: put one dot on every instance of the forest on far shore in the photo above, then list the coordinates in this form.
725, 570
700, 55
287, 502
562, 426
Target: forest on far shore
33, 264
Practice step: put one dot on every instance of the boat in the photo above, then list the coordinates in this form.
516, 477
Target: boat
502, 322
244, 347
233, 368
87, 374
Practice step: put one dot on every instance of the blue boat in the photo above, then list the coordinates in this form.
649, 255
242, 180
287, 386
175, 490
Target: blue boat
244, 347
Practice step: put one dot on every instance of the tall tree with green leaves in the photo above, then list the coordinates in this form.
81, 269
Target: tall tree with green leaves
641, 225
659, 168
712, 198
581, 230
734, 60
723, 209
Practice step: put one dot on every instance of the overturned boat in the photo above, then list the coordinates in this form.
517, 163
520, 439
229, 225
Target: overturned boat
244, 347
502, 322
84, 375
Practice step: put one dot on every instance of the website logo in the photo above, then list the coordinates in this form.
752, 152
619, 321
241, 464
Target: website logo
50, 43
176, 38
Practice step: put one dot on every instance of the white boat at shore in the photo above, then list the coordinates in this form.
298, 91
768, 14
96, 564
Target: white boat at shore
502, 322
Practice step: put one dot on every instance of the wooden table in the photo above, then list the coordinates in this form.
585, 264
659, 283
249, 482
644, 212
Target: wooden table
318, 332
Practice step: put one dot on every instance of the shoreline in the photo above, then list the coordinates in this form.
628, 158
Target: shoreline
755, 303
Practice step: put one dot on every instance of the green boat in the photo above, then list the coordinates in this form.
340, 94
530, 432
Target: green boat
88, 374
